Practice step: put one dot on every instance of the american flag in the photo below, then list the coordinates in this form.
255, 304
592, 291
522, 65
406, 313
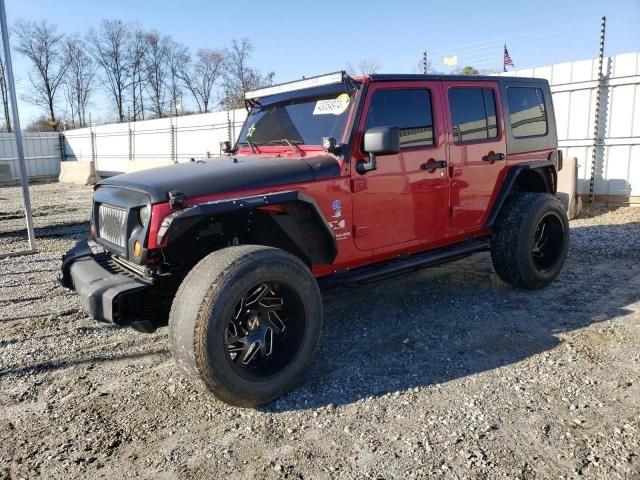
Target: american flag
507, 59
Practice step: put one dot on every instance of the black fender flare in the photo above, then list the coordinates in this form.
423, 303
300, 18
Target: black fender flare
510, 182
304, 223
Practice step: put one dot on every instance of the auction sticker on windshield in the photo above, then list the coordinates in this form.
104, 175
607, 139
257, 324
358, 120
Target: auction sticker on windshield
332, 106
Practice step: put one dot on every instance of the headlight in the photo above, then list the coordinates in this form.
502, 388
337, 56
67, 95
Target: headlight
143, 214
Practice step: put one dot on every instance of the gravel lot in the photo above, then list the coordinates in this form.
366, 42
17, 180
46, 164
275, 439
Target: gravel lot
445, 373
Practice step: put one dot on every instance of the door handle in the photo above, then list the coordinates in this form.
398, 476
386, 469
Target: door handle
492, 157
434, 165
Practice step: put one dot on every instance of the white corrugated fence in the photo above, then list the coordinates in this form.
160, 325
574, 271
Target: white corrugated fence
117, 147
122, 147
574, 87
42, 155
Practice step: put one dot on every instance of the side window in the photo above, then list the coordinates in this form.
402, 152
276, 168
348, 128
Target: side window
409, 110
527, 110
473, 114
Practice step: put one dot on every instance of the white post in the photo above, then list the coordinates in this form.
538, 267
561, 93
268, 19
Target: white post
16, 127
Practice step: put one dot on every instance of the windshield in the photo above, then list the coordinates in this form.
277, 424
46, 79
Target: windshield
303, 121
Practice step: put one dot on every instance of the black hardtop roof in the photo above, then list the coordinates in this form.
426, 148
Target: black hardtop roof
399, 77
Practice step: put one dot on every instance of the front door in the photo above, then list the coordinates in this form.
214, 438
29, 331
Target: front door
477, 150
405, 199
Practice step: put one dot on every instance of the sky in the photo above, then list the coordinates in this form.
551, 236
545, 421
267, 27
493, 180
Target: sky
298, 38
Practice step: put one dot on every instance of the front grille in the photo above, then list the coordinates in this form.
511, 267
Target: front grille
112, 225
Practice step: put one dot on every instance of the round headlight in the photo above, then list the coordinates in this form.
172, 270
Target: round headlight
144, 214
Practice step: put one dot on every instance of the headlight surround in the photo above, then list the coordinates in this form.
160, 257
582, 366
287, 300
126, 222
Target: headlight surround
144, 214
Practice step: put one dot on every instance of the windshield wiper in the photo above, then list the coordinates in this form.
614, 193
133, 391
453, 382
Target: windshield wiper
294, 146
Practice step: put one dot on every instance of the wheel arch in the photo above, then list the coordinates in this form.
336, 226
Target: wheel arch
288, 220
540, 177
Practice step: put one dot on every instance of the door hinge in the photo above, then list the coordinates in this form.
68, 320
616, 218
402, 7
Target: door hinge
358, 185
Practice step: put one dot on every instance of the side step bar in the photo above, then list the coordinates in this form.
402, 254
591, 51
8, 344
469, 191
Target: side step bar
403, 264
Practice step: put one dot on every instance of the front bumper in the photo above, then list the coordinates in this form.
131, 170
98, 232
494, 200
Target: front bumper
107, 295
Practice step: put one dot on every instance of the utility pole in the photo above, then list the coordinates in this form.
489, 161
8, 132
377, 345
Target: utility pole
596, 123
16, 125
424, 62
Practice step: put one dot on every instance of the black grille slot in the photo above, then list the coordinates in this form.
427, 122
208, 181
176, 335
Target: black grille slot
111, 265
211, 229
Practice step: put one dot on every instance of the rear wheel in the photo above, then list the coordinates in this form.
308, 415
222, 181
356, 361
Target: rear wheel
246, 322
530, 240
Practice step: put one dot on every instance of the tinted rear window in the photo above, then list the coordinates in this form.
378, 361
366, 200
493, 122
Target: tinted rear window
409, 110
473, 114
527, 110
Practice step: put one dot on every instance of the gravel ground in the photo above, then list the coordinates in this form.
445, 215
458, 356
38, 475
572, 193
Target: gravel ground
446, 373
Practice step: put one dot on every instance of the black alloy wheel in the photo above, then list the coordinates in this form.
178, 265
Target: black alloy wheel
265, 331
547, 242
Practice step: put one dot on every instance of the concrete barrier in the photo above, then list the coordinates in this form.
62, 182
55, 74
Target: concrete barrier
568, 186
79, 173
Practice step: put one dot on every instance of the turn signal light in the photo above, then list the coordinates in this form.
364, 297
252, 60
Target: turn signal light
137, 248
92, 231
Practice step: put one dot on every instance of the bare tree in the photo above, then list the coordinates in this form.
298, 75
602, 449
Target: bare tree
136, 51
78, 82
44, 47
366, 66
109, 49
156, 68
419, 68
239, 78
179, 62
5, 96
203, 75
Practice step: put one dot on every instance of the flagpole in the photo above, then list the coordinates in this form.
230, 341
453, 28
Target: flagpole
504, 64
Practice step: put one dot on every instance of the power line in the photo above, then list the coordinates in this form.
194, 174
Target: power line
483, 50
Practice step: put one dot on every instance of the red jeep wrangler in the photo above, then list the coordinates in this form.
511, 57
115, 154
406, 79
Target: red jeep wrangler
333, 181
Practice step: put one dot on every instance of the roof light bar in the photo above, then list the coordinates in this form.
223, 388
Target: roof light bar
310, 82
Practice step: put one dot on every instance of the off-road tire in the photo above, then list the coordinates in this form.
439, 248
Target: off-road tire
198, 322
513, 242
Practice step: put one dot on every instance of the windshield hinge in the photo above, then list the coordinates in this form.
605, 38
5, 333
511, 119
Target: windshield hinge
176, 200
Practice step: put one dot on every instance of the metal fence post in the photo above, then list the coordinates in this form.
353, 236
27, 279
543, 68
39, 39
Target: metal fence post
93, 143
596, 123
63, 150
172, 141
130, 143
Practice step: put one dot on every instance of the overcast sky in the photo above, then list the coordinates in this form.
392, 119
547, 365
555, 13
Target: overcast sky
295, 38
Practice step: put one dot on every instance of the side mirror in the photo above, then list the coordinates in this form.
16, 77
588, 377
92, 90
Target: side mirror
379, 141
225, 147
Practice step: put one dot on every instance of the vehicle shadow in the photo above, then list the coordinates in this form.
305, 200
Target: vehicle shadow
78, 229
459, 319
43, 367
75, 331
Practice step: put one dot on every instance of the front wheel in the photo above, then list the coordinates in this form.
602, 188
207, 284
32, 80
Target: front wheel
246, 322
530, 240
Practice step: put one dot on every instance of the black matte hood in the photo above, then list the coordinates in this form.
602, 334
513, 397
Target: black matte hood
225, 174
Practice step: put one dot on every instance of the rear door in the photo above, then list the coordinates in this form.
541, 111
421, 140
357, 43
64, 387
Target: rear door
403, 200
477, 150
